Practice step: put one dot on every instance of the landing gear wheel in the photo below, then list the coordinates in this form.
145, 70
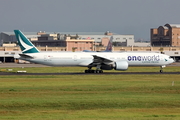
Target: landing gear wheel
97, 71
93, 71
88, 71
100, 71
161, 69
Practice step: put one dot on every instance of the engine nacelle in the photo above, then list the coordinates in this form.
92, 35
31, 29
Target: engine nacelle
121, 65
106, 67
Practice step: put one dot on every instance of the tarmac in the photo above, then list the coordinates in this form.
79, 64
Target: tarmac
13, 65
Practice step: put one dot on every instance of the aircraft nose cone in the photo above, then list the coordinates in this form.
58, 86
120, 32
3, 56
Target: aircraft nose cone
172, 60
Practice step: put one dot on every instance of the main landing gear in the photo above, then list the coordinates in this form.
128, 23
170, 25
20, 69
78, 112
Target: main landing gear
93, 71
98, 70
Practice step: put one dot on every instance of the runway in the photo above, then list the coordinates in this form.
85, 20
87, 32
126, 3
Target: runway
81, 73
8, 65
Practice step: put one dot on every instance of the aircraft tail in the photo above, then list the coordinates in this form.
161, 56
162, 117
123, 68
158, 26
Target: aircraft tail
24, 43
109, 46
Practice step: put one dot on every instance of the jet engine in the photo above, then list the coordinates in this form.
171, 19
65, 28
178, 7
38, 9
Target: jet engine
121, 65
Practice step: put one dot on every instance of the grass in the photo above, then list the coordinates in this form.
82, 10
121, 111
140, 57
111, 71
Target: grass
99, 97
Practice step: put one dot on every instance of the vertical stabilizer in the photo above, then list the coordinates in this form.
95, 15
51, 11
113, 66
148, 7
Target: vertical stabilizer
24, 43
109, 46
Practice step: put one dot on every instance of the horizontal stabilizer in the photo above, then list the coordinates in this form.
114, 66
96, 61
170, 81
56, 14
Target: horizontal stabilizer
26, 56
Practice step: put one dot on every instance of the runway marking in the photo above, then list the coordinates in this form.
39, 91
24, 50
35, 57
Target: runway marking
79, 73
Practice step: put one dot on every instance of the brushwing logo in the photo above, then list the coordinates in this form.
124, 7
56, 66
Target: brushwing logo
24, 45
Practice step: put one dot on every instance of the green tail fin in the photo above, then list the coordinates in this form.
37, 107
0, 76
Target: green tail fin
24, 43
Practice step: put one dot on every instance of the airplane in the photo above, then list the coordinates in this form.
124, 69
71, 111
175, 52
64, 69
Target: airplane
100, 60
108, 48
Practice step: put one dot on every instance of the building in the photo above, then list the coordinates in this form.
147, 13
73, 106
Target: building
79, 45
167, 35
72, 41
7, 53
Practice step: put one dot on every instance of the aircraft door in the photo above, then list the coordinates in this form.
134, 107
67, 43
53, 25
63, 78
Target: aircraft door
75, 57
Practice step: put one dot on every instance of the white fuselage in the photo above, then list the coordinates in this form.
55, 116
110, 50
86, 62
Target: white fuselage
85, 58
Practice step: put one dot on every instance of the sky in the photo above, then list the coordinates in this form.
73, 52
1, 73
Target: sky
134, 17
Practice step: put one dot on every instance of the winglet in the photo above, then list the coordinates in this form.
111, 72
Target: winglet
24, 43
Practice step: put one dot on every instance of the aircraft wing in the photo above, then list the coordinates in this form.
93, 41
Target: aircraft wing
88, 51
101, 60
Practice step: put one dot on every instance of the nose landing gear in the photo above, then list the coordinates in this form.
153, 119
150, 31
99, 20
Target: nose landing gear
161, 68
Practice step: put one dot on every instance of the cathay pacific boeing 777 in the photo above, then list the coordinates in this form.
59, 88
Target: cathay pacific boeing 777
100, 60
